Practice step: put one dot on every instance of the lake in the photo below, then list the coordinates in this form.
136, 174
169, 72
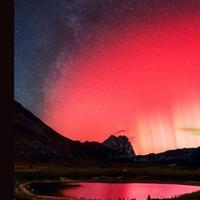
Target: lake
114, 191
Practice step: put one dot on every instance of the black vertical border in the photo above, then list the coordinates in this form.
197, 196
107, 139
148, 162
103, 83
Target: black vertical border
6, 99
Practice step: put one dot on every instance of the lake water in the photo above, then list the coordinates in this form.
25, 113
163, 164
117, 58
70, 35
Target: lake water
115, 191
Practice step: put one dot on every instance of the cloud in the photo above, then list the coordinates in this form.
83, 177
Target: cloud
193, 131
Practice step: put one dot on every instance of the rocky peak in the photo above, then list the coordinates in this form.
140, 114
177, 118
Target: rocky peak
121, 145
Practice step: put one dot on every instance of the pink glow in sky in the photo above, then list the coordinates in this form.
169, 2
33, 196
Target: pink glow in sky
144, 79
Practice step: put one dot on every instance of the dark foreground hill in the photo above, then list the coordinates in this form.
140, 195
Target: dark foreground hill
36, 142
187, 156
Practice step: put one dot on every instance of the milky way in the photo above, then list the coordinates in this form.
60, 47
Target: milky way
92, 68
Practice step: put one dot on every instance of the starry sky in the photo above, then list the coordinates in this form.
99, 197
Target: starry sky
90, 68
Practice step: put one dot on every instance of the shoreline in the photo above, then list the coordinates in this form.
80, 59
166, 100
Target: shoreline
113, 174
25, 190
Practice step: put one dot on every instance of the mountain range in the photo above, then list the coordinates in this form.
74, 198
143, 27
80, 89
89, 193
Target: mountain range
35, 142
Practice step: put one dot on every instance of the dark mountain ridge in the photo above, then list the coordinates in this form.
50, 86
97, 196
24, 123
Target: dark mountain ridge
186, 156
37, 142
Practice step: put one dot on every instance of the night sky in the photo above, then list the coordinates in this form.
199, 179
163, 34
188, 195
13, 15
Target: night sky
90, 68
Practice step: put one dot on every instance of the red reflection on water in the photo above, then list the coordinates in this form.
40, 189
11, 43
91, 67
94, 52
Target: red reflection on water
140, 191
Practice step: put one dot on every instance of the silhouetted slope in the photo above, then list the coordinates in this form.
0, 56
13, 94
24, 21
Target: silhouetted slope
35, 141
186, 156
